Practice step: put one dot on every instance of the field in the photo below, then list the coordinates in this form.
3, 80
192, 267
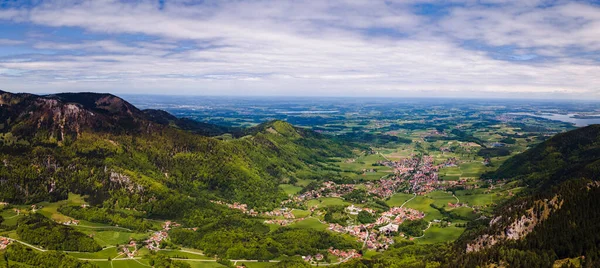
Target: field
123, 263
354, 168
256, 264
10, 217
398, 199
327, 201
186, 254
298, 213
441, 199
110, 238
465, 212
290, 189
422, 203
437, 234
310, 223
103, 254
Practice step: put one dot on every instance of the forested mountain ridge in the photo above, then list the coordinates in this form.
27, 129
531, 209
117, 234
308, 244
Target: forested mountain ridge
104, 147
555, 217
565, 156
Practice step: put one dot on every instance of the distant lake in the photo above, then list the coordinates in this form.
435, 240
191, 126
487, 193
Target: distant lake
579, 122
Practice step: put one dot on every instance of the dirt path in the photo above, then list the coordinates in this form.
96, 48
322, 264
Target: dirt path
414, 196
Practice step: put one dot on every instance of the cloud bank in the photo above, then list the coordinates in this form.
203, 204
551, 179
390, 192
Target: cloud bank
537, 49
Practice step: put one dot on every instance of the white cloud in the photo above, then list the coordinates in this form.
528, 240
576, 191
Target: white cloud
310, 48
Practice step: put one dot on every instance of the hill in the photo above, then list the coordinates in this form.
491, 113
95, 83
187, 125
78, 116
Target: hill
555, 218
102, 146
136, 169
574, 154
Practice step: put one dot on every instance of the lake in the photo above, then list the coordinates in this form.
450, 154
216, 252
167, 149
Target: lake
579, 122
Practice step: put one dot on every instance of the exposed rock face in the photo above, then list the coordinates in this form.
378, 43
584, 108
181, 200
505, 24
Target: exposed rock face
124, 181
63, 116
515, 229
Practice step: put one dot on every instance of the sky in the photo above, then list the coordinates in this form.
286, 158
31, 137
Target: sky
361, 48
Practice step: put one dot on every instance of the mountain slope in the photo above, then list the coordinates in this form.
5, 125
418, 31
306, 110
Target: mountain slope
102, 146
565, 156
555, 218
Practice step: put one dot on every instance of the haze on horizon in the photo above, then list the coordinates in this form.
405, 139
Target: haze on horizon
414, 48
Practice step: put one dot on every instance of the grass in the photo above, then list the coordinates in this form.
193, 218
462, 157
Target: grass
183, 255
123, 264
50, 210
422, 203
465, 212
103, 254
110, 238
298, 213
327, 201
290, 189
303, 182
441, 199
196, 264
10, 217
257, 264
437, 234
310, 223
473, 169
398, 199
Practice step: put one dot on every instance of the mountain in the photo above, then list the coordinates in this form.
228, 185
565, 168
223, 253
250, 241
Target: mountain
102, 146
204, 129
554, 218
573, 154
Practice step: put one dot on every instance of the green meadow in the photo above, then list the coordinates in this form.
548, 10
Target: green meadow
437, 234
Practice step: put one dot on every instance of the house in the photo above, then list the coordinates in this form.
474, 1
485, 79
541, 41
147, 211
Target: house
390, 228
352, 210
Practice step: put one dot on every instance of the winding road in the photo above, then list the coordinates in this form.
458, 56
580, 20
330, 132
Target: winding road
414, 196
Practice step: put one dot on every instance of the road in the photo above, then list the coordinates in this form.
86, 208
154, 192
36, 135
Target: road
192, 260
26, 244
103, 227
414, 195
424, 231
366, 238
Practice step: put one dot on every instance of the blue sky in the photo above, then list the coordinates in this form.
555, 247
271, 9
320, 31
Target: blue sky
416, 48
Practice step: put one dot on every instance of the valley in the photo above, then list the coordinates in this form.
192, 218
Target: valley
154, 192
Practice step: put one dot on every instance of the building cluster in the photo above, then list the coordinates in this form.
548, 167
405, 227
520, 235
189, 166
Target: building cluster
71, 222
359, 231
424, 178
398, 215
327, 189
344, 255
316, 258
241, 207
384, 188
282, 212
354, 210
127, 251
4, 242
379, 241
450, 162
168, 225
153, 243
283, 222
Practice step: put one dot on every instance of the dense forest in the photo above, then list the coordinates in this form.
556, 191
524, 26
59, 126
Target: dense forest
39, 230
59, 147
